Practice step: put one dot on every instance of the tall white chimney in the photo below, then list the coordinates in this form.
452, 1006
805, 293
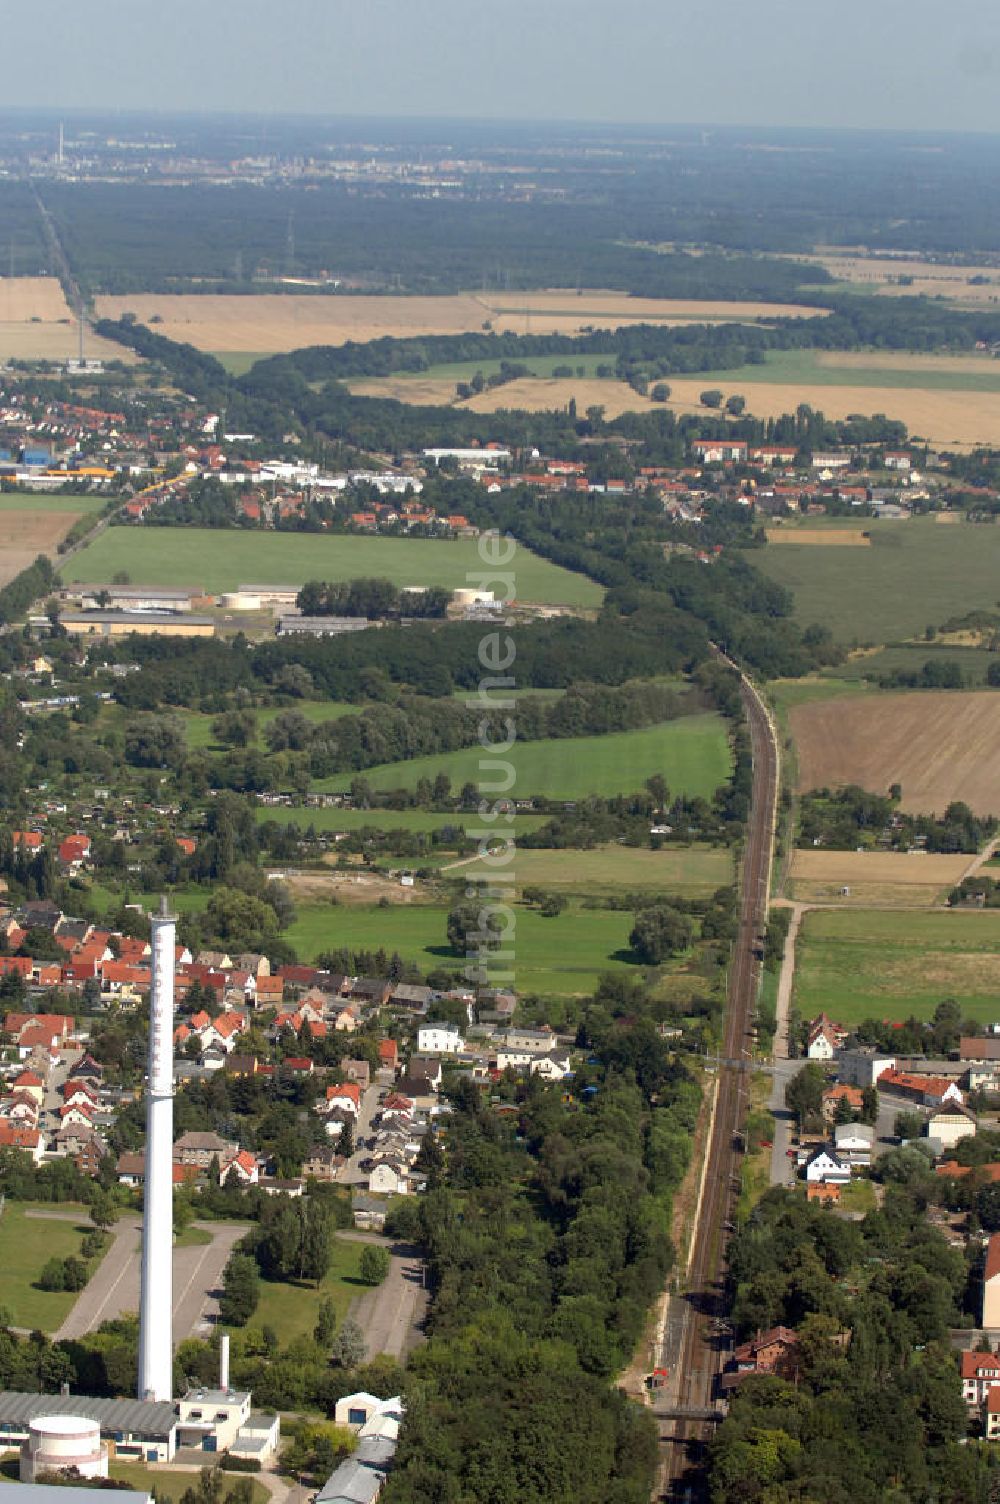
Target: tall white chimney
156, 1297
224, 1361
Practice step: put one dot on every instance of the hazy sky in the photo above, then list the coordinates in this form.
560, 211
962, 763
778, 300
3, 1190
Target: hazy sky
871, 63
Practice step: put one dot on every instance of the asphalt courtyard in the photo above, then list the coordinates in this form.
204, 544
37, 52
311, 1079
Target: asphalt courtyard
114, 1289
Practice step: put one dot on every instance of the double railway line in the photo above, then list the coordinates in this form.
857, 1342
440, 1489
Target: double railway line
700, 1350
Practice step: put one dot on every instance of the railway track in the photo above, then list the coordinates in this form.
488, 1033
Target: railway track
702, 1353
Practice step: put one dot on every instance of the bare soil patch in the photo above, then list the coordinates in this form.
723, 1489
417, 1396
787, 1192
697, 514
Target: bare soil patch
26, 534
820, 537
939, 746
348, 887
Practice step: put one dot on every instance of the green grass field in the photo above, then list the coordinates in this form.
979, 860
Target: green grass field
909, 658
238, 362
805, 367
172, 1485
687, 869
915, 574
691, 753
383, 819
563, 955
223, 559
539, 365
33, 501
292, 1309
25, 1244
857, 964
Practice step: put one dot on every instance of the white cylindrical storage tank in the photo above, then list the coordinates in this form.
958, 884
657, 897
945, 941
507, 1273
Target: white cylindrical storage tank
239, 600
57, 1442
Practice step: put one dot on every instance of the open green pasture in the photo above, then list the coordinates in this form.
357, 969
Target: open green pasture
538, 365
198, 727
238, 362
807, 368
221, 559
857, 964
563, 955
292, 1309
417, 820
915, 574
909, 658
26, 1242
33, 501
170, 1486
691, 753
687, 869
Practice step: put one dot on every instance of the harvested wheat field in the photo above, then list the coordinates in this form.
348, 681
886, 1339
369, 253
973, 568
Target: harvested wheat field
28, 533
274, 322
903, 360
939, 746
924, 278
873, 878
36, 323
820, 537
954, 419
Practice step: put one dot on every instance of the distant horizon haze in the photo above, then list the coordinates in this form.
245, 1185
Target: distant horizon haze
900, 65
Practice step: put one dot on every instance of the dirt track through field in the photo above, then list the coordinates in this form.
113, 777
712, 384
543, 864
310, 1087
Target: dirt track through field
26, 534
939, 746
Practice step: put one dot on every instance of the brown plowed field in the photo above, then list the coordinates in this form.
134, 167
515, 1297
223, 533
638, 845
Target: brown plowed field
26, 534
939, 745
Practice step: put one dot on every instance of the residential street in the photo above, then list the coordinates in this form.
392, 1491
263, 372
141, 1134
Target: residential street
352, 1173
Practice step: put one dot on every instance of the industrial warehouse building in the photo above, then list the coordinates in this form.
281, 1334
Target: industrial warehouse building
140, 1431
134, 597
143, 623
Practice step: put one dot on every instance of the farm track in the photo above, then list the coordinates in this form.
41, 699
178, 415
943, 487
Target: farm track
702, 1355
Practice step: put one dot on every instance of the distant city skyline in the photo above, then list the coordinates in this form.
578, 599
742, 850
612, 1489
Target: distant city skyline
896, 64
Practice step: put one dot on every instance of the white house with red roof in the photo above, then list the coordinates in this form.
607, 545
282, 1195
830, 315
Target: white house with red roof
980, 1373
31, 1084
222, 1032
345, 1095
21, 1136
242, 1168
824, 1038
77, 1115
74, 851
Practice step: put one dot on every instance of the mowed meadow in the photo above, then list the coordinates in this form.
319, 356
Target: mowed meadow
889, 965
222, 559
691, 753
915, 574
